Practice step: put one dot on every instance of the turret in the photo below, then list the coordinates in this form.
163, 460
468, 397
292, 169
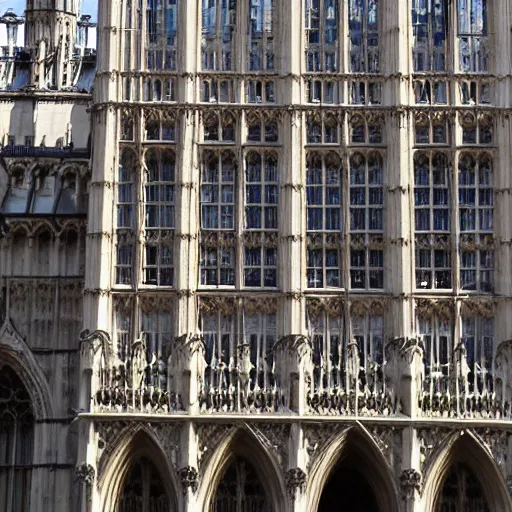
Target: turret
50, 36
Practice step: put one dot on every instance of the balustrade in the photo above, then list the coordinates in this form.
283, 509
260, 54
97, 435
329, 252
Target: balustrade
295, 377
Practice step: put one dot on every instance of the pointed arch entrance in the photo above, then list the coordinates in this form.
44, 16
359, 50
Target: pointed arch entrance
16, 442
137, 476
240, 489
143, 489
242, 475
351, 475
461, 492
464, 477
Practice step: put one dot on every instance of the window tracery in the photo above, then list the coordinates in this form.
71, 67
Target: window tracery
322, 128
16, 442
363, 23
159, 89
260, 40
366, 130
323, 91
218, 34
160, 127
143, 489
216, 90
430, 31
322, 40
432, 195
261, 209
219, 127
161, 30
126, 220
324, 217
472, 32
240, 490
476, 212
262, 128
260, 91
218, 214
159, 192
366, 220
461, 492
431, 92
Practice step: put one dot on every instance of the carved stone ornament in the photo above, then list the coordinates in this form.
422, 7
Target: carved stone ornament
295, 481
189, 478
10, 337
410, 481
85, 474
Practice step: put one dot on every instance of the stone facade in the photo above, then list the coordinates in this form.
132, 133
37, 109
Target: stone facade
277, 276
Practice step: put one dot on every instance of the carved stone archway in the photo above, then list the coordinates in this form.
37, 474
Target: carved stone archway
351, 459
464, 457
242, 448
133, 450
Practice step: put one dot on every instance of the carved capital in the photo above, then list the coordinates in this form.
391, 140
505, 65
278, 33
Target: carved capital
85, 474
189, 478
296, 480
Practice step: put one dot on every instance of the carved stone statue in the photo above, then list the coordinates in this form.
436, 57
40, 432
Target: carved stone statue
138, 363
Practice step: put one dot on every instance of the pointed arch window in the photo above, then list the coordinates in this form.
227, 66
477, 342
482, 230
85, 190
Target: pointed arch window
240, 490
144, 490
16, 442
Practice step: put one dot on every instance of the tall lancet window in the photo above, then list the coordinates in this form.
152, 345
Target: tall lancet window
260, 41
161, 30
430, 27
363, 22
322, 35
16, 443
472, 34
218, 35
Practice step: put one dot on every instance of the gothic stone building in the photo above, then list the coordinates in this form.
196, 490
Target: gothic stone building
256, 255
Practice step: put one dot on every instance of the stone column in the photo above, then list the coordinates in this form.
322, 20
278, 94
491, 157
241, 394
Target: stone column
292, 199
188, 472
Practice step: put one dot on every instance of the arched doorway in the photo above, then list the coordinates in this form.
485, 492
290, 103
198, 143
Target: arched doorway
461, 492
348, 490
240, 489
16, 442
143, 489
